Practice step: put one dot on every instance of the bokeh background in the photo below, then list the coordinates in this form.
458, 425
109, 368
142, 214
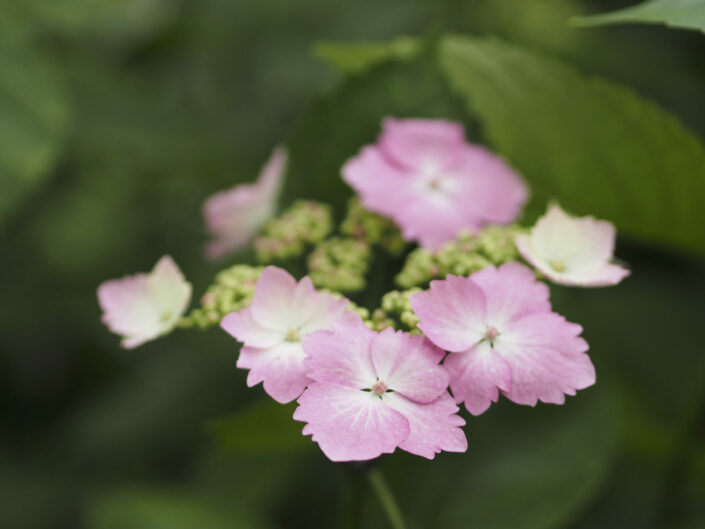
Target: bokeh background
119, 117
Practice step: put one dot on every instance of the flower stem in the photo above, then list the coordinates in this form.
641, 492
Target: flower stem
386, 499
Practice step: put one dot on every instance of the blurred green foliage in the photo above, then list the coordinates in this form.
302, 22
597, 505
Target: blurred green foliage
687, 14
118, 117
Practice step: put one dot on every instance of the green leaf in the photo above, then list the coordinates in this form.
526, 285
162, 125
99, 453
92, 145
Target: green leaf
34, 113
597, 147
266, 426
685, 14
358, 57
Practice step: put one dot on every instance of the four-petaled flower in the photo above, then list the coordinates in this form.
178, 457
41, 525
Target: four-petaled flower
234, 216
425, 176
271, 328
572, 251
373, 392
502, 335
143, 307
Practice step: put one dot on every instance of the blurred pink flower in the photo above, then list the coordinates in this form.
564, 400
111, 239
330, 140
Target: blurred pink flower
424, 175
374, 392
502, 336
282, 312
234, 217
572, 251
143, 307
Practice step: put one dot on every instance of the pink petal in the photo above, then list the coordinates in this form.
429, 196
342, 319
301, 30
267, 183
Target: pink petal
376, 180
409, 365
243, 327
424, 144
476, 377
434, 427
341, 356
330, 311
280, 368
349, 424
511, 291
498, 192
272, 301
452, 313
547, 359
270, 178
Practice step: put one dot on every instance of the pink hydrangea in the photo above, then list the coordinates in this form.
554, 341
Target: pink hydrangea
234, 217
374, 392
572, 251
271, 328
425, 176
143, 307
503, 337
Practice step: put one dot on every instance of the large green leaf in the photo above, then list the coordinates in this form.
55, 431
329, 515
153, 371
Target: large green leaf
595, 146
686, 14
33, 118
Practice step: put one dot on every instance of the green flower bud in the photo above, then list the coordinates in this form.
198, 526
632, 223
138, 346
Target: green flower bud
371, 228
303, 224
339, 264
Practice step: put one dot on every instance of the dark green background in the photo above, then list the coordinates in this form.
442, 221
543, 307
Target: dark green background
118, 118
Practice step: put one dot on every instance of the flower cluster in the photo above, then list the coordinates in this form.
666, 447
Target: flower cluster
475, 321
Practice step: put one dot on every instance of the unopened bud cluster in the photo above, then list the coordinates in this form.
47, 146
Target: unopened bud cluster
304, 224
371, 228
339, 264
232, 291
469, 253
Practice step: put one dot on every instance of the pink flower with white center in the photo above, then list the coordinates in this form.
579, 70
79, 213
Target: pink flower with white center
143, 307
572, 251
424, 175
235, 216
271, 328
374, 392
503, 337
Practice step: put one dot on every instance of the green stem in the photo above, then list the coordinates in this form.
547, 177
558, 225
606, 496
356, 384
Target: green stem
386, 499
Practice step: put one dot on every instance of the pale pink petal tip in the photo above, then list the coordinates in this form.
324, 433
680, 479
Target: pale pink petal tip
145, 306
233, 217
424, 175
574, 251
504, 338
282, 314
371, 393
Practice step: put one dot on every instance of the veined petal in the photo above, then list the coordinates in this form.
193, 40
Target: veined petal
349, 424
341, 356
547, 359
280, 369
477, 376
273, 298
409, 365
452, 313
511, 290
243, 327
433, 427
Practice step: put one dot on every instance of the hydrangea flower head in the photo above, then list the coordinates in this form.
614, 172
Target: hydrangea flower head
373, 392
143, 307
233, 217
425, 176
503, 337
572, 251
271, 328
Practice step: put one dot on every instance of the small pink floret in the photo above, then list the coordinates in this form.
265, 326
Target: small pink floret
271, 328
372, 393
424, 175
574, 251
143, 307
233, 217
503, 338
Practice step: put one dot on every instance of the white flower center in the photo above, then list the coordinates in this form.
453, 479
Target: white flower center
293, 335
558, 266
